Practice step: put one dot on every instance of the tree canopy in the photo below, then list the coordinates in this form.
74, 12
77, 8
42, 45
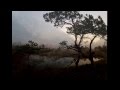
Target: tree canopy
79, 25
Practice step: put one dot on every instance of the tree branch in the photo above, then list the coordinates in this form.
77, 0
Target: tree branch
72, 21
75, 40
93, 39
92, 42
81, 38
67, 23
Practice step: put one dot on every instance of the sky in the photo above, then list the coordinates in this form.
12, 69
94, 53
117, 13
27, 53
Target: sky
30, 25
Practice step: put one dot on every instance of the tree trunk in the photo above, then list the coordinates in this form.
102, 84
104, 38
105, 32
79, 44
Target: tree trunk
77, 61
90, 51
81, 38
78, 48
75, 40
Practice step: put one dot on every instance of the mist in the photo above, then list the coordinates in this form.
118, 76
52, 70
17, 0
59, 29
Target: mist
30, 25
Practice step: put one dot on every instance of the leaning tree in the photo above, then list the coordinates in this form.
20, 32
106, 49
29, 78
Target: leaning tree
97, 28
74, 27
78, 26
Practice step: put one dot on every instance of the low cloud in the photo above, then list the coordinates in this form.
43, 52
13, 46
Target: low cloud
31, 26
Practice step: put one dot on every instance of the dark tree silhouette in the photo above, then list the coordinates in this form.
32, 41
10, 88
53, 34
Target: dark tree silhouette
96, 27
63, 44
73, 20
77, 25
32, 43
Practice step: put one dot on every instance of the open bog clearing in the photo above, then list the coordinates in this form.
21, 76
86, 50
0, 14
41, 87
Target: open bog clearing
53, 62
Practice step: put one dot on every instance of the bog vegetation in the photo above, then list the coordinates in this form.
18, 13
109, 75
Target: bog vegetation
23, 69
79, 26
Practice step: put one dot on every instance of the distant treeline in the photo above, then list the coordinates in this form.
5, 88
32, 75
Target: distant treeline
33, 48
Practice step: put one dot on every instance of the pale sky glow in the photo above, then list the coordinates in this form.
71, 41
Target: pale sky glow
103, 14
30, 25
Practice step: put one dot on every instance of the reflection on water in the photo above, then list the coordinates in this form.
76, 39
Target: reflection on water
43, 61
